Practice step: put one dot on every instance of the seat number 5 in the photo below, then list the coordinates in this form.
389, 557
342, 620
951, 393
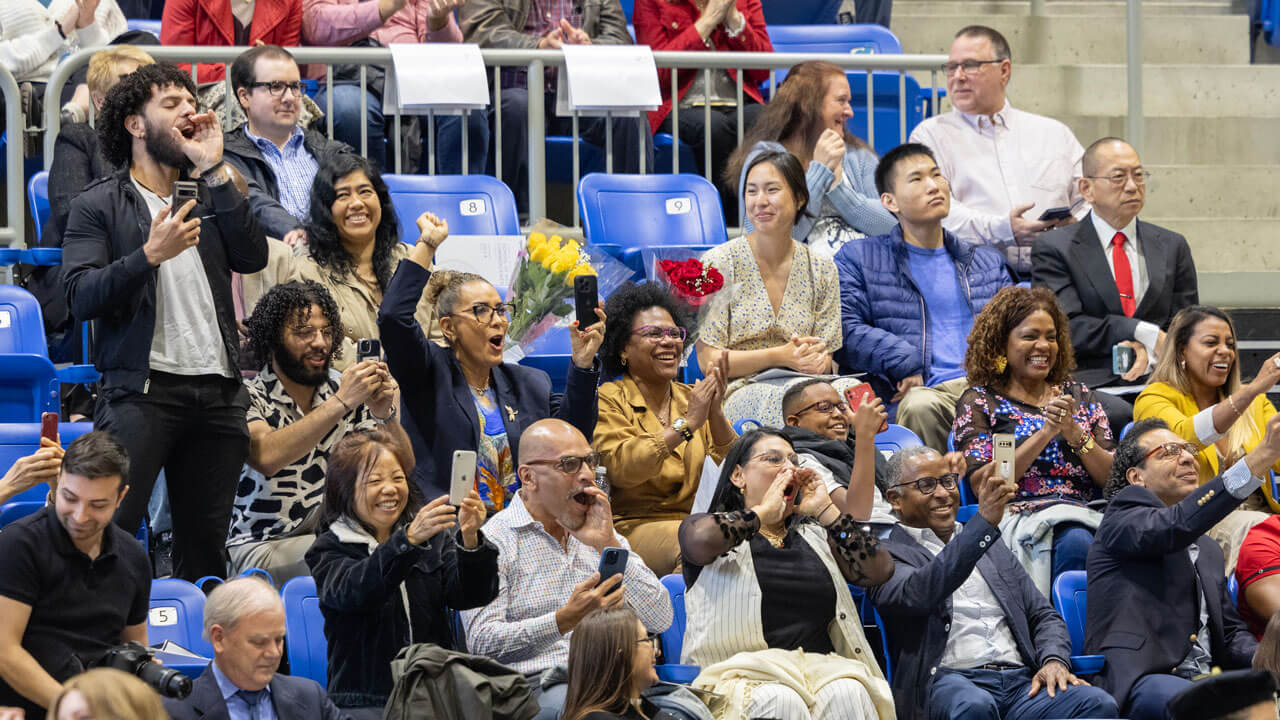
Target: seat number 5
162, 616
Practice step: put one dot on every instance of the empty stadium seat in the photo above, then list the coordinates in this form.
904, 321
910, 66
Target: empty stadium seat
625, 213
663, 144
177, 615
673, 637
471, 204
855, 39
304, 625
896, 437
559, 158
29, 384
38, 196
11, 511
885, 93
1070, 598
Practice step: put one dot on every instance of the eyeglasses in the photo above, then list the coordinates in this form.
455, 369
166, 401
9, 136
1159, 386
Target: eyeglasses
306, 332
570, 464
1170, 450
656, 334
825, 407
484, 313
1119, 178
775, 459
968, 67
926, 485
277, 87
651, 640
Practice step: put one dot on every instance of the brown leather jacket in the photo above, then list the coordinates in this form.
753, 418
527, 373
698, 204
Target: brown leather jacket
500, 23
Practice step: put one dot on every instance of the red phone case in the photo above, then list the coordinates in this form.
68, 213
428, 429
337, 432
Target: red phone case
49, 426
859, 394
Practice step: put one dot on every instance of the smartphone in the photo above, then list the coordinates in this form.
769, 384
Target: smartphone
49, 426
1004, 446
368, 349
585, 300
1122, 357
462, 476
612, 562
859, 394
1056, 214
184, 190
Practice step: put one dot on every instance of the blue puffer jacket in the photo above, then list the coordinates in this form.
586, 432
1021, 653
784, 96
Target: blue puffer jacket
882, 310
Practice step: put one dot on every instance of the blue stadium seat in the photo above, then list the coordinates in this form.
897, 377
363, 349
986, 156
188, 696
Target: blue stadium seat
151, 26
177, 614
856, 39
896, 437
1125, 430
1069, 598
673, 637
662, 155
471, 204
885, 94
964, 513
631, 212
29, 384
806, 12
11, 511
38, 196
304, 625
559, 158
628, 7
1233, 589
741, 426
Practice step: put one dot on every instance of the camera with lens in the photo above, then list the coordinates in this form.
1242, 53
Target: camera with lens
137, 660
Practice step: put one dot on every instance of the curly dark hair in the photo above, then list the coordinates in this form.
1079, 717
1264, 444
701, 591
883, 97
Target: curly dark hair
322, 232
284, 303
129, 97
622, 307
1129, 454
989, 338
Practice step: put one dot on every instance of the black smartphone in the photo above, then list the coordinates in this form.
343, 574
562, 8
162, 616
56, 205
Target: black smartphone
1056, 214
1122, 357
585, 300
368, 349
613, 561
184, 190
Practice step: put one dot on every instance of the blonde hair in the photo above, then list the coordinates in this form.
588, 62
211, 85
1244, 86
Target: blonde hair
102, 75
1171, 371
112, 695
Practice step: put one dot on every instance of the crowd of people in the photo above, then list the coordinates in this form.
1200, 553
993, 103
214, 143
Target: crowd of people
305, 378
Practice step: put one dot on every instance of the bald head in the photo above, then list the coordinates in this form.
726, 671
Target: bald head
1096, 155
548, 439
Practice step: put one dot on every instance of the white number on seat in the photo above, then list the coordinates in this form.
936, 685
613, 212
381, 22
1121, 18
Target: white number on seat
678, 206
474, 206
162, 616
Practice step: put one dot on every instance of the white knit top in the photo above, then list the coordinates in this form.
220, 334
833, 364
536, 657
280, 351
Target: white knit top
30, 45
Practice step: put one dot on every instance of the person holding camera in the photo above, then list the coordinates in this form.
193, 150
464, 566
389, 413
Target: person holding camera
148, 255
73, 585
244, 619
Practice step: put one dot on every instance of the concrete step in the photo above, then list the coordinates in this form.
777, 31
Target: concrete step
1213, 191
1229, 244
930, 8
1191, 140
1075, 39
1227, 91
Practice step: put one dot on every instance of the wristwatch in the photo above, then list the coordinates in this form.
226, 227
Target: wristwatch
681, 426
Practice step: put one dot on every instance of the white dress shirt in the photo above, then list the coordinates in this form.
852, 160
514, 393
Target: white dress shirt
979, 633
997, 163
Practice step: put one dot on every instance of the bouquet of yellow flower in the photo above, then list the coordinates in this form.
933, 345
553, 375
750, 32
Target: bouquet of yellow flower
542, 285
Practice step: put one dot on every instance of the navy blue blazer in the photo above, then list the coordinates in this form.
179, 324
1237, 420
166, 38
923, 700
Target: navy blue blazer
294, 698
915, 605
440, 412
1143, 612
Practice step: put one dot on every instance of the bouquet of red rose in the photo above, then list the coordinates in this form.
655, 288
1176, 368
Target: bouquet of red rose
691, 281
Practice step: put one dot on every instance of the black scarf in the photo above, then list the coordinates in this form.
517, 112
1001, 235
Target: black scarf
835, 455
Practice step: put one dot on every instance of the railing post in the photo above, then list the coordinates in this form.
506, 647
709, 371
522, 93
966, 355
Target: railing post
14, 186
537, 143
1135, 126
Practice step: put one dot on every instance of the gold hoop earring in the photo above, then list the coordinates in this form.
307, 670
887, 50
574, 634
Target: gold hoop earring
1001, 364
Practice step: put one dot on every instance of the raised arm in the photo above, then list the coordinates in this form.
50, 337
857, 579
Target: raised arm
706, 536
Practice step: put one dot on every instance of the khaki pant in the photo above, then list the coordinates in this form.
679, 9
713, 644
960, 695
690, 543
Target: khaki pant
282, 558
655, 542
930, 411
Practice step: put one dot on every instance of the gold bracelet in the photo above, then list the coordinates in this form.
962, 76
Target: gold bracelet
1232, 403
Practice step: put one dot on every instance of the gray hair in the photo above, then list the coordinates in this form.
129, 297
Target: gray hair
893, 470
237, 598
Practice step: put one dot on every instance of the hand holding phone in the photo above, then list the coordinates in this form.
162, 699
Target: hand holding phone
1122, 357
613, 561
368, 349
49, 426
462, 476
860, 395
184, 190
1056, 214
1004, 447
585, 300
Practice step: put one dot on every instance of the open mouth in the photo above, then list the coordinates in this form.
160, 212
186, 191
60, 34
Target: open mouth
838, 427
358, 219
187, 130
389, 505
315, 360
583, 498
1221, 366
944, 509
1038, 361
495, 342
666, 357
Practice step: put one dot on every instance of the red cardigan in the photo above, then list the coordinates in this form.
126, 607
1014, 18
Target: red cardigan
665, 25
210, 23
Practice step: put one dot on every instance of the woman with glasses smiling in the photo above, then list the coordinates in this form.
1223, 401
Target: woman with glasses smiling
462, 395
767, 572
654, 433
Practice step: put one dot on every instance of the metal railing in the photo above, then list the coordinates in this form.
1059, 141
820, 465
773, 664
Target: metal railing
12, 234
534, 62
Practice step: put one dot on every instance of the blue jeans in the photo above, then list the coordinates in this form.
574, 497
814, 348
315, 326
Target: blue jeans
1151, 693
449, 144
1070, 547
347, 121
551, 701
994, 694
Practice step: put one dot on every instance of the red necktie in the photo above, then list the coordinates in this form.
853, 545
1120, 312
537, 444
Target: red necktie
1124, 275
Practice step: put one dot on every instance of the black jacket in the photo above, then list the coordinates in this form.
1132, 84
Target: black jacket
440, 412
293, 698
916, 606
1070, 261
365, 620
1143, 613
264, 191
834, 455
109, 280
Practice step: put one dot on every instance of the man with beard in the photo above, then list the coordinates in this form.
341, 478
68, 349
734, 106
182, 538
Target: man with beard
549, 540
839, 443
300, 408
154, 274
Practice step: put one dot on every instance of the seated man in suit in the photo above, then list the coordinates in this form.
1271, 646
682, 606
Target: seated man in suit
970, 635
244, 619
908, 299
1158, 603
1119, 280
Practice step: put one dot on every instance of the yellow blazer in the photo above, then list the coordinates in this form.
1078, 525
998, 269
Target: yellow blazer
1161, 400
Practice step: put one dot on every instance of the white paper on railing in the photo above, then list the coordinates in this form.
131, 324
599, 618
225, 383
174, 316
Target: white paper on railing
614, 79
492, 257
436, 76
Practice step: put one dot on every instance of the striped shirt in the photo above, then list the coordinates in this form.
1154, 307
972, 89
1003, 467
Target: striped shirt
536, 576
295, 171
544, 16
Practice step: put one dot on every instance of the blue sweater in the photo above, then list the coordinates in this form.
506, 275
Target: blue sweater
883, 312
